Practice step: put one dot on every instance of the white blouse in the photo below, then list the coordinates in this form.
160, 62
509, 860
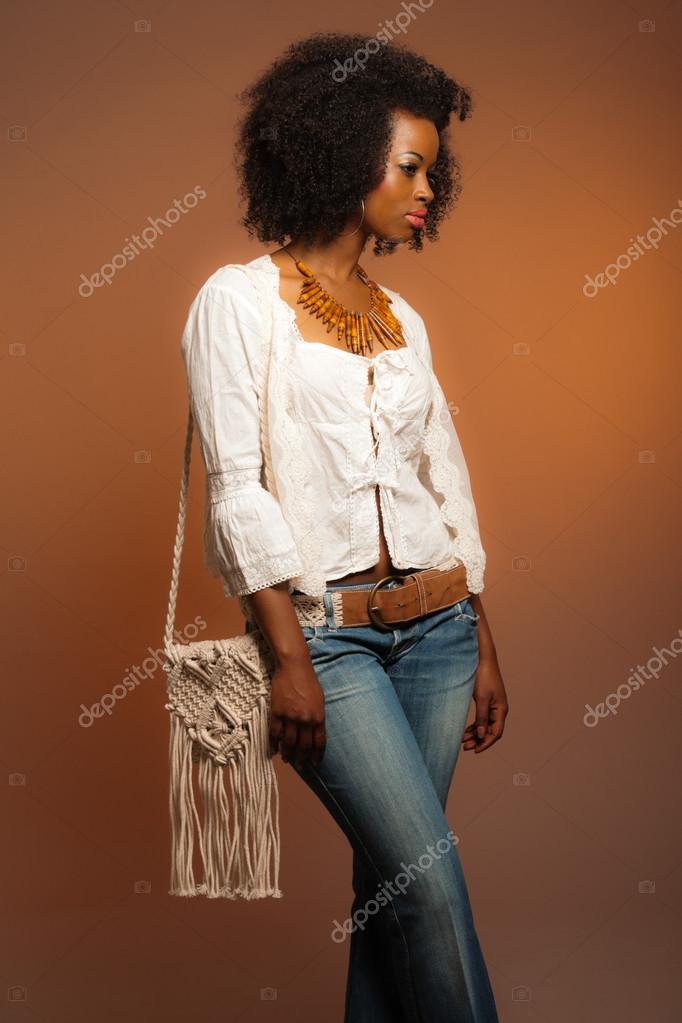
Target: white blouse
395, 433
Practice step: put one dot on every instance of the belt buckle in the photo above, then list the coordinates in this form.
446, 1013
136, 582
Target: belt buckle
373, 611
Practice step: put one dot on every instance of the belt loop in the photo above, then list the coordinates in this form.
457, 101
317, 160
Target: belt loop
329, 609
421, 591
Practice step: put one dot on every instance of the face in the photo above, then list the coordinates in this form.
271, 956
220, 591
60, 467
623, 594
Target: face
406, 185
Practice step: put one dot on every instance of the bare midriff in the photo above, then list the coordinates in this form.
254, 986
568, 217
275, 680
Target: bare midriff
384, 565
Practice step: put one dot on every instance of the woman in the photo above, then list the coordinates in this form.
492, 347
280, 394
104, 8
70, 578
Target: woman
368, 481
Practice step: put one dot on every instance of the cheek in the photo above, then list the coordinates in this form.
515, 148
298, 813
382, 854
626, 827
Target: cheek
390, 182
385, 195
386, 203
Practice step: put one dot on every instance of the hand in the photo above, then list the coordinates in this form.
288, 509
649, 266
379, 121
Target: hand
492, 707
297, 720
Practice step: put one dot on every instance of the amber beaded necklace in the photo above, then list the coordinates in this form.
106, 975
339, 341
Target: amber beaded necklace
357, 330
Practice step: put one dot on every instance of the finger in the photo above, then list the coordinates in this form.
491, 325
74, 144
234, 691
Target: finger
319, 743
482, 716
494, 730
288, 742
468, 737
469, 742
304, 745
276, 732
472, 737
483, 731
499, 723
485, 743
497, 718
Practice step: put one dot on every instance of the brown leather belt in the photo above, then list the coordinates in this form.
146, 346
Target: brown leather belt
421, 592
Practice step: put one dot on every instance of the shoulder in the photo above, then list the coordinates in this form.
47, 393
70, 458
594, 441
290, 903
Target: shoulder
238, 279
402, 308
411, 320
235, 294
226, 316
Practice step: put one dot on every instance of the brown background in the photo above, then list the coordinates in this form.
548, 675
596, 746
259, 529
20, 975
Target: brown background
103, 127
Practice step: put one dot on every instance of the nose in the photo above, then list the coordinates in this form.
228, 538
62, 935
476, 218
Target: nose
424, 193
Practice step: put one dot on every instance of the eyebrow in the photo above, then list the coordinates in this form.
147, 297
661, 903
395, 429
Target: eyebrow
412, 152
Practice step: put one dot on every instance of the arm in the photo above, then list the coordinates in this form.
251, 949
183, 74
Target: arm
297, 704
490, 697
247, 541
489, 693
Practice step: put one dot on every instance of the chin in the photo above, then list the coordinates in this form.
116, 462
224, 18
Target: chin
403, 235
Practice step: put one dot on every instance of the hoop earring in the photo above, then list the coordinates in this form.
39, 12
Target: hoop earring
349, 233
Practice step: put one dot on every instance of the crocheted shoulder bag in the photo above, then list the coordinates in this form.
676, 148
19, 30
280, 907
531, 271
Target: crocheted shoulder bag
219, 701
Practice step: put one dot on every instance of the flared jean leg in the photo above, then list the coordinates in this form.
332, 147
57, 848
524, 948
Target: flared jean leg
371, 992
396, 705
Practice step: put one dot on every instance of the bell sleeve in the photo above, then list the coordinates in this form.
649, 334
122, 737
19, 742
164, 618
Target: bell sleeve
247, 541
443, 471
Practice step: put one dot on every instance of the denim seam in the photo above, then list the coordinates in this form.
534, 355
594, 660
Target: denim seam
414, 1009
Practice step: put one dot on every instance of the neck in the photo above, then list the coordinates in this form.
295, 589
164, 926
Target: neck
335, 260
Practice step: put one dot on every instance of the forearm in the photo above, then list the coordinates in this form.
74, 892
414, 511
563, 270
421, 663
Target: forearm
275, 615
486, 645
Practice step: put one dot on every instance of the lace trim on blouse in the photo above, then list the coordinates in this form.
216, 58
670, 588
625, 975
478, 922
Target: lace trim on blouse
457, 510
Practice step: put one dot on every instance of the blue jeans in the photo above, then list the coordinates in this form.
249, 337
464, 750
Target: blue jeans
396, 705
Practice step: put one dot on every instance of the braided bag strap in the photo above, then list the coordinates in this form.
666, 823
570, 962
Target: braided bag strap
168, 644
179, 541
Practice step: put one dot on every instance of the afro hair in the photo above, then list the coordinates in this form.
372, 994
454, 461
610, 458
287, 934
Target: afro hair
316, 136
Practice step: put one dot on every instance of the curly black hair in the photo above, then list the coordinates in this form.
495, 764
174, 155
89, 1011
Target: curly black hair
315, 139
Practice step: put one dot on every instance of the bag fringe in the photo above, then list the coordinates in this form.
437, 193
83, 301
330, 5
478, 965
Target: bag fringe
240, 856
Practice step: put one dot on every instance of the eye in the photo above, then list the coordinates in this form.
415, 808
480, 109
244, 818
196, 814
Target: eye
410, 169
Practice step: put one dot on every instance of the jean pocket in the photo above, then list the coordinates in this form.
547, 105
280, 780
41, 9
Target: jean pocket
463, 612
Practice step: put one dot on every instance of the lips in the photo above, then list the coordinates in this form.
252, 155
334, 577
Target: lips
417, 220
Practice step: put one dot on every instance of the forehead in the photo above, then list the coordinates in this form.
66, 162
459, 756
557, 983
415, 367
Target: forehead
413, 133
